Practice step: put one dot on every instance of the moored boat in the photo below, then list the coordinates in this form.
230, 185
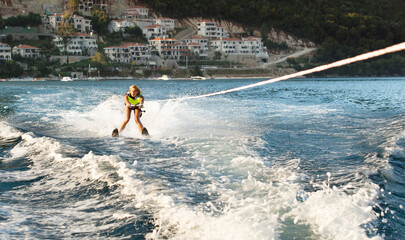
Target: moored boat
164, 77
197, 78
66, 79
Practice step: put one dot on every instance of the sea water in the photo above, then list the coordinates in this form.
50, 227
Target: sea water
297, 159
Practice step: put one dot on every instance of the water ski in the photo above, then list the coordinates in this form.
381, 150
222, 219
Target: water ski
145, 132
115, 133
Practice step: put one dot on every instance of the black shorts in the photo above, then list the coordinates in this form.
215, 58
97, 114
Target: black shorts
134, 108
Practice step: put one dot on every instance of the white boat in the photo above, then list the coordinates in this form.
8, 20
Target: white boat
197, 78
164, 77
67, 79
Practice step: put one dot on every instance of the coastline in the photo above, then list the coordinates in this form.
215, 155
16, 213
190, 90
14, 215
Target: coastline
129, 78
332, 78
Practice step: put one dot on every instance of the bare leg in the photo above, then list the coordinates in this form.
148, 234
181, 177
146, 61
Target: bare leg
137, 114
127, 117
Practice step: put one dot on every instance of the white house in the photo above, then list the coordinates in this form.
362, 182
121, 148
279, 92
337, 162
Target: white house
244, 46
139, 16
159, 43
154, 31
78, 44
168, 22
254, 46
198, 45
198, 39
26, 51
55, 19
5, 51
131, 15
119, 25
81, 24
170, 48
128, 53
196, 48
143, 12
226, 45
238, 49
211, 30
177, 51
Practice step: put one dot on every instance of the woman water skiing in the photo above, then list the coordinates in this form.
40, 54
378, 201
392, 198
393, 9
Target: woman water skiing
133, 101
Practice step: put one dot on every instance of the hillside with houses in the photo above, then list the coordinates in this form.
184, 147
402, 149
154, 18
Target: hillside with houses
134, 39
139, 38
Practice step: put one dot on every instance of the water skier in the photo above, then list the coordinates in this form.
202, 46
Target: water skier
133, 101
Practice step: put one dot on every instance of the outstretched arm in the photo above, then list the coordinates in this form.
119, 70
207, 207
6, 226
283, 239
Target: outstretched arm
127, 104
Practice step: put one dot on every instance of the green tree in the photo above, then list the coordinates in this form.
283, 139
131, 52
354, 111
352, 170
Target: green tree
134, 31
197, 71
291, 61
99, 58
42, 69
217, 55
31, 20
2, 22
10, 69
9, 39
74, 4
99, 20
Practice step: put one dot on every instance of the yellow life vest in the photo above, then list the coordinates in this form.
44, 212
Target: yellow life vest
135, 100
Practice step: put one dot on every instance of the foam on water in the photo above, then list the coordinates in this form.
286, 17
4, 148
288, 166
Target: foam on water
7, 132
97, 120
190, 180
246, 198
163, 119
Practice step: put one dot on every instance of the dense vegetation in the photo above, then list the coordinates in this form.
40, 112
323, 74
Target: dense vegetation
341, 28
9, 69
32, 20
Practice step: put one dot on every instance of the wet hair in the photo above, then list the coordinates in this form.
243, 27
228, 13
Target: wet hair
135, 87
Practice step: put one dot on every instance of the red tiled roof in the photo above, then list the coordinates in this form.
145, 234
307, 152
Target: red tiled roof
127, 45
135, 7
81, 34
227, 39
176, 50
172, 44
251, 38
78, 35
25, 46
132, 44
154, 26
132, 14
167, 39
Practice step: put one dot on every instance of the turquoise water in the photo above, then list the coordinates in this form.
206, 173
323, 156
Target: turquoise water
303, 159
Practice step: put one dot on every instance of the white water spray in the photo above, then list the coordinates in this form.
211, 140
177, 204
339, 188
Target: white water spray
362, 57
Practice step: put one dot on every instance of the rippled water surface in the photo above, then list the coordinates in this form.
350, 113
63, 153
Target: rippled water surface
303, 159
